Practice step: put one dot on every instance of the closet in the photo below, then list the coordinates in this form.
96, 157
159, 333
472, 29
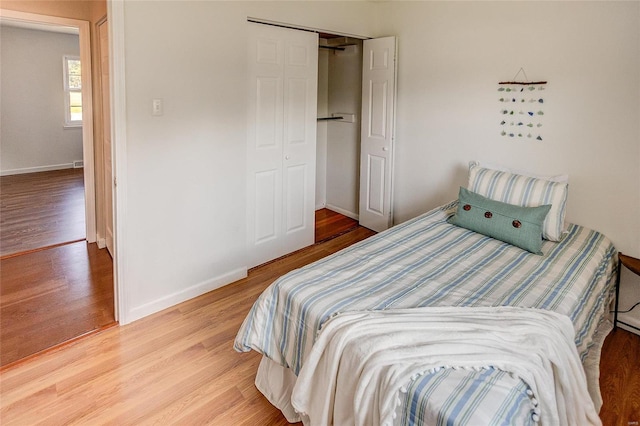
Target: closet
338, 125
356, 99
319, 134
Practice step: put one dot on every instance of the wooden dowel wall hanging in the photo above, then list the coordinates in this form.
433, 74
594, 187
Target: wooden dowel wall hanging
521, 107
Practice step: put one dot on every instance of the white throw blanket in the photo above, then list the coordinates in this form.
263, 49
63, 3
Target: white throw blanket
361, 361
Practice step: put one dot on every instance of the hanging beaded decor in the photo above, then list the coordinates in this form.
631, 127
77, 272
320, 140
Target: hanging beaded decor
521, 108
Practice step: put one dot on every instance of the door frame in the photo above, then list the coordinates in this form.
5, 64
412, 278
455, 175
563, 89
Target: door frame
84, 33
84, 36
118, 103
103, 204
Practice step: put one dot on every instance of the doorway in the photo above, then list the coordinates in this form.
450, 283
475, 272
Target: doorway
278, 215
82, 29
360, 112
56, 283
41, 153
338, 125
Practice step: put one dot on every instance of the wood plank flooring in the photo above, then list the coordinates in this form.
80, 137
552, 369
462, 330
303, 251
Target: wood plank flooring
42, 305
620, 379
41, 209
329, 224
174, 367
179, 367
50, 296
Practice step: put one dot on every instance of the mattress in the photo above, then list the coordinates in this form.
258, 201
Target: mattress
429, 262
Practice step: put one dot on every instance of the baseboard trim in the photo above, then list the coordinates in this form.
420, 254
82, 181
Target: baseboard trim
342, 211
36, 169
184, 295
102, 242
35, 250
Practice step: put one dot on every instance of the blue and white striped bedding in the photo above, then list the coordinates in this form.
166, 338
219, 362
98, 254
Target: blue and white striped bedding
429, 262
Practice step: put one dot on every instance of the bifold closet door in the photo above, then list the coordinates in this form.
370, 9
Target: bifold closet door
281, 142
377, 135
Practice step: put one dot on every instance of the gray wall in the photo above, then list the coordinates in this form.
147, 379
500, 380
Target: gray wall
32, 135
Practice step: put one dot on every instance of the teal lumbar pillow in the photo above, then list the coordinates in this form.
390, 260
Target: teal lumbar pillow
516, 225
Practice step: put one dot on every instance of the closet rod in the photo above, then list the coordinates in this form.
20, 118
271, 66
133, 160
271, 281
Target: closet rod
524, 83
329, 118
300, 28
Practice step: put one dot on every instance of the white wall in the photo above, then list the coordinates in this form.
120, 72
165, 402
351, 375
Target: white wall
32, 133
343, 139
451, 57
185, 204
185, 180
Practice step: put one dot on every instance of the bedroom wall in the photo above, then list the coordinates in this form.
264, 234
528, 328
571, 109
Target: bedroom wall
451, 57
32, 133
185, 177
185, 200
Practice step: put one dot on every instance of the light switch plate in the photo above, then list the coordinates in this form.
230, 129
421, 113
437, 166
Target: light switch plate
157, 107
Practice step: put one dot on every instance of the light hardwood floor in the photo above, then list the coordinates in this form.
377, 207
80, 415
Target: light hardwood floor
179, 367
52, 290
329, 224
50, 296
41, 209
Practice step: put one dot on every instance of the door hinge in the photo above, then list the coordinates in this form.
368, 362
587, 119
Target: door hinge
115, 182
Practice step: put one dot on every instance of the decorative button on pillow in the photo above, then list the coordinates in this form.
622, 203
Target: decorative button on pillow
516, 225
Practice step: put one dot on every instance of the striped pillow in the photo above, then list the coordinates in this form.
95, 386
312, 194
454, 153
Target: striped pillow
523, 191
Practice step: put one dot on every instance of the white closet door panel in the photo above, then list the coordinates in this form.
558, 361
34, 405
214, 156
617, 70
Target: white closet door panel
299, 55
268, 113
301, 104
296, 188
378, 118
267, 185
268, 50
281, 149
296, 111
375, 184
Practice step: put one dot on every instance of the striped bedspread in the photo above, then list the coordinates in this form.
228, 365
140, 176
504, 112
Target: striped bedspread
429, 262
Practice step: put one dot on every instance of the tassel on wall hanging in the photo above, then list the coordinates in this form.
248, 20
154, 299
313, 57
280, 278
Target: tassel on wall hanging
521, 111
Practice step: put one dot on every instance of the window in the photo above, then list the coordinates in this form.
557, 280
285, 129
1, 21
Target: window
72, 91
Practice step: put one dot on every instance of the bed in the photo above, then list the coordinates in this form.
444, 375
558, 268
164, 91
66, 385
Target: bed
428, 262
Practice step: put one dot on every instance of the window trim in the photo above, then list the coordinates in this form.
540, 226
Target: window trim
68, 122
